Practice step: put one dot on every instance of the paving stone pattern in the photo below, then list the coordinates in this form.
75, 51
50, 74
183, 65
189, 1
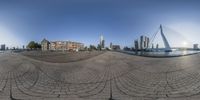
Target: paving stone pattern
110, 75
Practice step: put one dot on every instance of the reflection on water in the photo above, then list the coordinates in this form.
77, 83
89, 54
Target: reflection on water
162, 53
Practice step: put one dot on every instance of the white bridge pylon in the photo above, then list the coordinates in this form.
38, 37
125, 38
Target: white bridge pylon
166, 43
167, 47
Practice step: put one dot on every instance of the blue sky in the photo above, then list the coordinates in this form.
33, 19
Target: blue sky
119, 21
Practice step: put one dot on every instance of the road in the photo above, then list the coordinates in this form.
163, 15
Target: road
111, 75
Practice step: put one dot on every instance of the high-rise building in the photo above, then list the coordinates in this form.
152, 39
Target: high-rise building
136, 45
144, 42
103, 44
152, 47
111, 45
102, 41
3, 47
116, 47
157, 46
195, 47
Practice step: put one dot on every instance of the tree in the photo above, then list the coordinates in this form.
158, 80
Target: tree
37, 45
31, 45
92, 47
86, 48
34, 45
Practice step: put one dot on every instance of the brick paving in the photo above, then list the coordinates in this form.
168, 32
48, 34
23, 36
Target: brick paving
109, 75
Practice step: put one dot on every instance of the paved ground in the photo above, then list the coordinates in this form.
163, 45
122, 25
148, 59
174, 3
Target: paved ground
111, 74
60, 57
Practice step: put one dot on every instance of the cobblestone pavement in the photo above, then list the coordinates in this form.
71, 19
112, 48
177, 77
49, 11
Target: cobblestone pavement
109, 75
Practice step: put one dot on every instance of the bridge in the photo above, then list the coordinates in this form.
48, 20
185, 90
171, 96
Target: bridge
176, 38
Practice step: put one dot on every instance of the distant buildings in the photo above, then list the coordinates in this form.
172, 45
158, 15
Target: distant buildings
157, 46
92, 47
136, 45
111, 45
23, 47
142, 43
115, 47
195, 47
45, 44
102, 42
3, 47
61, 45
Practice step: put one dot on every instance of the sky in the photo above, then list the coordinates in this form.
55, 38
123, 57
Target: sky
119, 21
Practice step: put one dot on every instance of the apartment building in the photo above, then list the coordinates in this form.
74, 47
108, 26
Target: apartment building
62, 45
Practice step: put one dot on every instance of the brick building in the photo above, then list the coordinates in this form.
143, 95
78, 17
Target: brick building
62, 45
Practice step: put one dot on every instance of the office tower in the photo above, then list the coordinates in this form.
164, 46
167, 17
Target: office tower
152, 47
147, 42
116, 47
3, 47
136, 44
102, 41
141, 42
195, 47
157, 46
110, 45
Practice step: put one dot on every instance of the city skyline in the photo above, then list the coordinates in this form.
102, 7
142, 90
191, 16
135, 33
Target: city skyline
120, 22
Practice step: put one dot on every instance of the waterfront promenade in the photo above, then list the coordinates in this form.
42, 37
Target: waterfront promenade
106, 75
